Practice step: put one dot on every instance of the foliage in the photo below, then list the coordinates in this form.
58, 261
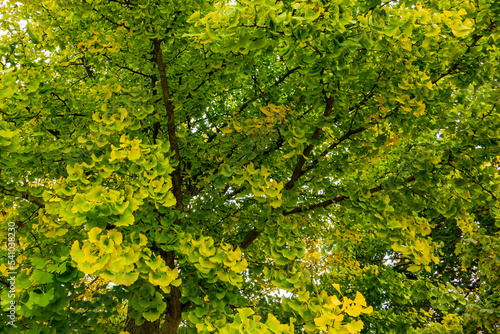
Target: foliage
251, 166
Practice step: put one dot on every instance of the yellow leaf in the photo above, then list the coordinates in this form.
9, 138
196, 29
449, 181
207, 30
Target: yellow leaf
420, 110
93, 234
336, 301
169, 200
322, 321
273, 192
354, 310
108, 93
161, 279
360, 299
194, 17
276, 203
435, 31
237, 126
155, 263
240, 266
413, 268
245, 312
391, 31
272, 322
355, 326
3, 270
367, 310
383, 111
460, 31
257, 192
266, 111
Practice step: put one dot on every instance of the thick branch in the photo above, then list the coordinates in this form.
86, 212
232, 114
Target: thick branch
254, 233
346, 136
455, 66
172, 138
174, 306
23, 194
334, 200
250, 237
286, 75
298, 168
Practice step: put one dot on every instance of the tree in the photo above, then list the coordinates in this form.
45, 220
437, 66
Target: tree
250, 166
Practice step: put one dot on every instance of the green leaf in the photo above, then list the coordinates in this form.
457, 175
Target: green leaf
391, 31
41, 277
194, 17
355, 326
245, 312
273, 324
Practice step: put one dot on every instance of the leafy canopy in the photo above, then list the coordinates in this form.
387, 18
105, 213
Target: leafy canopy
251, 166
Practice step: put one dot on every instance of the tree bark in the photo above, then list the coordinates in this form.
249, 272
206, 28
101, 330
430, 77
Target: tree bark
174, 307
146, 328
174, 310
172, 318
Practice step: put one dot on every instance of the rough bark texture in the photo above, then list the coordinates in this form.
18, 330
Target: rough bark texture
174, 310
172, 138
174, 307
146, 328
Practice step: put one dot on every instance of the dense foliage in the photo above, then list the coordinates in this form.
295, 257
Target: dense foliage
250, 166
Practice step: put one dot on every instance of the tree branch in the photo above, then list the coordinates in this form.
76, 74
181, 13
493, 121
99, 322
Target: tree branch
346, 136
298, 168
286, 75
125, 67
24, 194
172, 138
335, 200
254, 233
249, 238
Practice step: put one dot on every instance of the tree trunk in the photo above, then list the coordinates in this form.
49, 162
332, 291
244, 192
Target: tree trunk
172, 318
172, 314
174, 310
146, 328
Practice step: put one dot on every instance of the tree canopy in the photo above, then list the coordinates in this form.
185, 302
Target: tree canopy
250, 166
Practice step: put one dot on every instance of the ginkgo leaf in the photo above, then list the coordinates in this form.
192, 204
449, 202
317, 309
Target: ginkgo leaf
240, 266
273, 324
322, 322
155, 263
391, 31
245, 312
360, 300
152, 315
194, 17
41, 277
414, 268
93, 233
355, 326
